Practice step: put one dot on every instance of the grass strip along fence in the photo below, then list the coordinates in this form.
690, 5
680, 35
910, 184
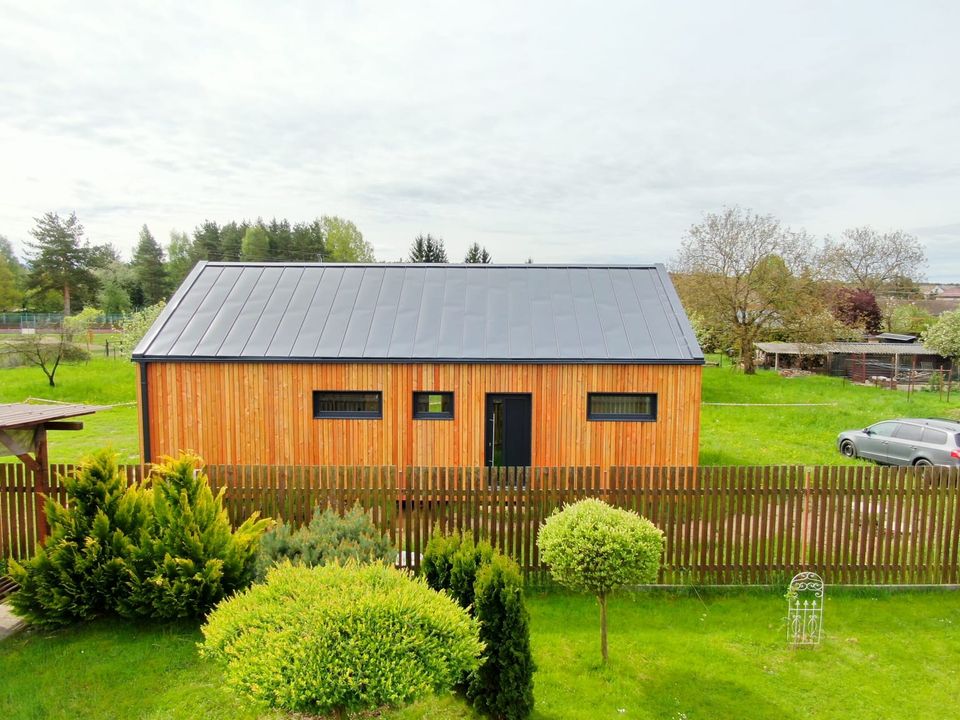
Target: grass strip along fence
723, 525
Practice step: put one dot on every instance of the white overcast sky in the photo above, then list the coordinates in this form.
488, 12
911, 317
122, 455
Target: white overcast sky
564, 131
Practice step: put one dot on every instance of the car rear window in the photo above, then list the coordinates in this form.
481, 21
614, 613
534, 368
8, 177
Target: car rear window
935, 437
909, 432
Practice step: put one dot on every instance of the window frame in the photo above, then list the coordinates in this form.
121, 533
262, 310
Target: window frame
349, 415
624, 417
434, 415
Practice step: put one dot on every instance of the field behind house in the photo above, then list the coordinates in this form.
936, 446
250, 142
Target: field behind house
737, 434
674, 656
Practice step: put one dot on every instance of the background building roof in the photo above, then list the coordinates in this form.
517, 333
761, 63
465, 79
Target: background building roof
428, 313
848, 348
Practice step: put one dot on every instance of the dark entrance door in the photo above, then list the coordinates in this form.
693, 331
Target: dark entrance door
508, 425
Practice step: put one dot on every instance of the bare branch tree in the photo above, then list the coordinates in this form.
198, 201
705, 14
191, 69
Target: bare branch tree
866, 258
745, 272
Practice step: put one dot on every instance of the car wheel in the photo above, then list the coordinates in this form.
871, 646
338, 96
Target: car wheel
922, 462
848, 449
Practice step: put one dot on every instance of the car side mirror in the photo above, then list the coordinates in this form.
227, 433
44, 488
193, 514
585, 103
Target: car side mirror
867, 431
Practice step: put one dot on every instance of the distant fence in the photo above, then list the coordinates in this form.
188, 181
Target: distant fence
20, 320
723, 525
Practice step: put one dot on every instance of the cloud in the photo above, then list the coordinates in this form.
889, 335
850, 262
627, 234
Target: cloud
570, 132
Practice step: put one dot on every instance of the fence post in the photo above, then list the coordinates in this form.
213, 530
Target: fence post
805, 520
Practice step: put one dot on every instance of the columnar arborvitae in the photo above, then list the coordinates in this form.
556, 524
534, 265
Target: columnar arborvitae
502, 687
491, 587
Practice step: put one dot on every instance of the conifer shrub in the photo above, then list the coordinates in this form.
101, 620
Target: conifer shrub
189, 558
502, 687
450, 562
340, 638
328, 537
592, 547
85, 566
490, 586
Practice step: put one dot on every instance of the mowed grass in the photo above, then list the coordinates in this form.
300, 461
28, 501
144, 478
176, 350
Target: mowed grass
884, 655
730, 435
99, 381
745, 435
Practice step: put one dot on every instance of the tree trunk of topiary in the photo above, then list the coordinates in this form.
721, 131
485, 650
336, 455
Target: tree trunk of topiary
340, 713
603, 626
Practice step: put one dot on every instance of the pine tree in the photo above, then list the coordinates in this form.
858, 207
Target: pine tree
281, 240
427, 249
149, 268
231, 240
206, 241
307, 242
477, 254
84, 567
60, 260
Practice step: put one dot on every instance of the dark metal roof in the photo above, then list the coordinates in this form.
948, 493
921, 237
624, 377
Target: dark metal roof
21, 415
425, 313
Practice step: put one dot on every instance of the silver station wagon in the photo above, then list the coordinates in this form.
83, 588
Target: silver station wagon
906, 441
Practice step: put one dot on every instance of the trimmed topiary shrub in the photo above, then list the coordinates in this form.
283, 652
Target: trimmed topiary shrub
593, 547
84, 567
329, 537
438, 558
336, 639
189, 558
502, 687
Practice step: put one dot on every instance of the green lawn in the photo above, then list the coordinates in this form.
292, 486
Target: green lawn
884, 655
99, 381
730, 435
736, 435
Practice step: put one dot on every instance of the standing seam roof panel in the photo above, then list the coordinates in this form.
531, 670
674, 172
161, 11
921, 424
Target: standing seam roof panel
470, 313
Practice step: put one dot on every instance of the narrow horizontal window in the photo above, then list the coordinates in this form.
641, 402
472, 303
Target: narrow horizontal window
345, 404
433, 405
622, 406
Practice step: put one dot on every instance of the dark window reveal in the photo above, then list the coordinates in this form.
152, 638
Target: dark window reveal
622, 406
433, 405
344, 404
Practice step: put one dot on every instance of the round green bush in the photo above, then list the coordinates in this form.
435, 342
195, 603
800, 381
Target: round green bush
592, 547
333, 639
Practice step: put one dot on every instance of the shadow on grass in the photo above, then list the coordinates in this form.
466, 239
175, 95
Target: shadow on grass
688, 694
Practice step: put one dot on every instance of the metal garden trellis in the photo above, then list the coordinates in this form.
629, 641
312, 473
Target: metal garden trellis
805, 609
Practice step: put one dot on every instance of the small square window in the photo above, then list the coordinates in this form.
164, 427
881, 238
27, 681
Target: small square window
433, 405
622, 406
347, 404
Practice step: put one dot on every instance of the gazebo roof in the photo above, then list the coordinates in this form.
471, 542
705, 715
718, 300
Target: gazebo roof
25, 415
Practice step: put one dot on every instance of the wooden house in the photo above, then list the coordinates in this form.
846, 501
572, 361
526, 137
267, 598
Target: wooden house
405, 365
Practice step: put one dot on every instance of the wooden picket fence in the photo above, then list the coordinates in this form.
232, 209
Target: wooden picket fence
723, 525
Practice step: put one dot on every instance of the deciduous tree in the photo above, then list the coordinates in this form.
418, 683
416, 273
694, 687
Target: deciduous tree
344, 242
743, 273
181, 257
866, 258
944, 335
256, 244
857, 308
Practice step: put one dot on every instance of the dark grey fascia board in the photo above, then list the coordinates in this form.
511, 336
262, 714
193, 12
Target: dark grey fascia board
420, 361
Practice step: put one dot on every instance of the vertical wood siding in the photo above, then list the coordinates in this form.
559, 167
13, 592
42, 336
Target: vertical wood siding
262, 413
